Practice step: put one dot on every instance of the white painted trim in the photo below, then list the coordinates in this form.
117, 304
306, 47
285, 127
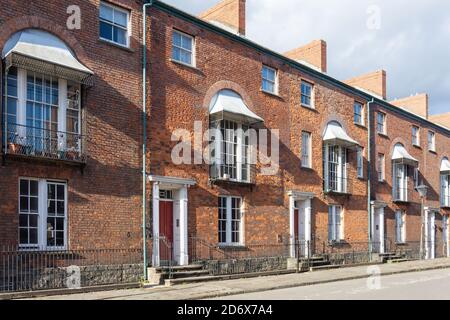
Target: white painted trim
172, 180
155, 213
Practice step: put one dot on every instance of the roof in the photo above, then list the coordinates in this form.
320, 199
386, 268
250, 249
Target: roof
336, 134
295, 64
228, 101
400, 154
43, 46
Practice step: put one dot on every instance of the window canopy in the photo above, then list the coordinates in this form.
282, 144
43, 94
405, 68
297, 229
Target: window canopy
400, 154
40, 51
445, 166
334, 133
230, 103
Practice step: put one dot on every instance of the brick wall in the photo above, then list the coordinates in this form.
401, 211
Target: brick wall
104, 199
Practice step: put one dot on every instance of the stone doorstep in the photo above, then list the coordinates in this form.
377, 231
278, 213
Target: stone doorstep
55, 292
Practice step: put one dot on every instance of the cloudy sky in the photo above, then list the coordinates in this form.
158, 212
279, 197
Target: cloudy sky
409, 39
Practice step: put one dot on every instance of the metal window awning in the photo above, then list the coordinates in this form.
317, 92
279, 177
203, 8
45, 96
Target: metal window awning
445, 166
335, 134
40, 51
401, 155
230, 103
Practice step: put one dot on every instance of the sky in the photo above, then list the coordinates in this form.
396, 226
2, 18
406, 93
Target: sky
408, 39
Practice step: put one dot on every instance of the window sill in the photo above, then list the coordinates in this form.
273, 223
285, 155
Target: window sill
362, 126
432, 151
184, 64
307, 168
118, 46
402, 243
275, 95
383, 135
417, 146
232, 246
308, 107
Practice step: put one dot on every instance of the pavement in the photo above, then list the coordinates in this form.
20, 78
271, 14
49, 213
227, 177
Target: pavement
230, 288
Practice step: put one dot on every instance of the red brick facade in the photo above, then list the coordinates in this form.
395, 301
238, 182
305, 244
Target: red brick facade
105, 194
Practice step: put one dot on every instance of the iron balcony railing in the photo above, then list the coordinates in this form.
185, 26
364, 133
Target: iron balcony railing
44, 143
402, 194
221, 172
334, 184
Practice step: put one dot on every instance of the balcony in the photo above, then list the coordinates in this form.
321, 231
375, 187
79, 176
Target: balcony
33, 142
337, 185
229, 174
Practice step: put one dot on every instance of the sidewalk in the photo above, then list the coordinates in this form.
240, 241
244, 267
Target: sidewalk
240, 286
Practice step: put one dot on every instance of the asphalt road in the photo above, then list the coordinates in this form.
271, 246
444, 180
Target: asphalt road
425, 285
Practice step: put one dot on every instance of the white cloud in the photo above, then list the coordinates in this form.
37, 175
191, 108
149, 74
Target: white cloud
411, 43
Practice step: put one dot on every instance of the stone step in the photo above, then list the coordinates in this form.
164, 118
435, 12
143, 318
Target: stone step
186, 274
191, 267
172, 282
398, 260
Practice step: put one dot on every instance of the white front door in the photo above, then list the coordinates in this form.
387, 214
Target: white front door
445, 236
378, 230
304, 226
176, 229
430, 235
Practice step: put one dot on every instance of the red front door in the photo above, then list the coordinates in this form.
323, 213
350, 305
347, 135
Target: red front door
166, 229
296, 224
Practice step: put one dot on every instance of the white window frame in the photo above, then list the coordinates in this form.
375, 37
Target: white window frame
339, 184
306, 150
431, 141
43, 214
400, 226
21, 117
274, 82
311, 97
445, 190
381, 167
128, 29
360, 115
192, 52
336, 225
360, 162
415, 136
383, 115
400, 181
229, 221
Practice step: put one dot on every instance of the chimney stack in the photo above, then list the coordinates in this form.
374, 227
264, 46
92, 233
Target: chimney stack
314, 53
417, 104
374, 82
229, 14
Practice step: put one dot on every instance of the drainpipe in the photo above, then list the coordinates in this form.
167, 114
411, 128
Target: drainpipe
144, 133
369, 168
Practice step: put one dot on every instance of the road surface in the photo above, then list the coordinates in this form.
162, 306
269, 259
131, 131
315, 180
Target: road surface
434, 284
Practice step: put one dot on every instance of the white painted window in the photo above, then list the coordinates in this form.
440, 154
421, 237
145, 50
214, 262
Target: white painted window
307, 94
114, 24
445, 190
431, 141
360, 162
230, 220
381, 167
335, 168
306, 149
358, 115
335, 223
381, 123
415, 135
42, 214
44, 117
269, 79
400, 182
233, 151
183, 48
400, 226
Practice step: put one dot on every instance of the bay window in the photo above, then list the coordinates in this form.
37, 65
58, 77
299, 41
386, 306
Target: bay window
43, 115
42, 214
230, 220
335, 168
445, 190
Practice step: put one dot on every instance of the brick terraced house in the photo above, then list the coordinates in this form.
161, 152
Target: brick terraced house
349, 164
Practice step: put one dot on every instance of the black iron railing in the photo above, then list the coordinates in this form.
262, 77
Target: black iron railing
335, 184
226, 173
29, 270
44, 143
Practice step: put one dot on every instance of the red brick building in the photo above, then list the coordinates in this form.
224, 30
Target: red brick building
72, 161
